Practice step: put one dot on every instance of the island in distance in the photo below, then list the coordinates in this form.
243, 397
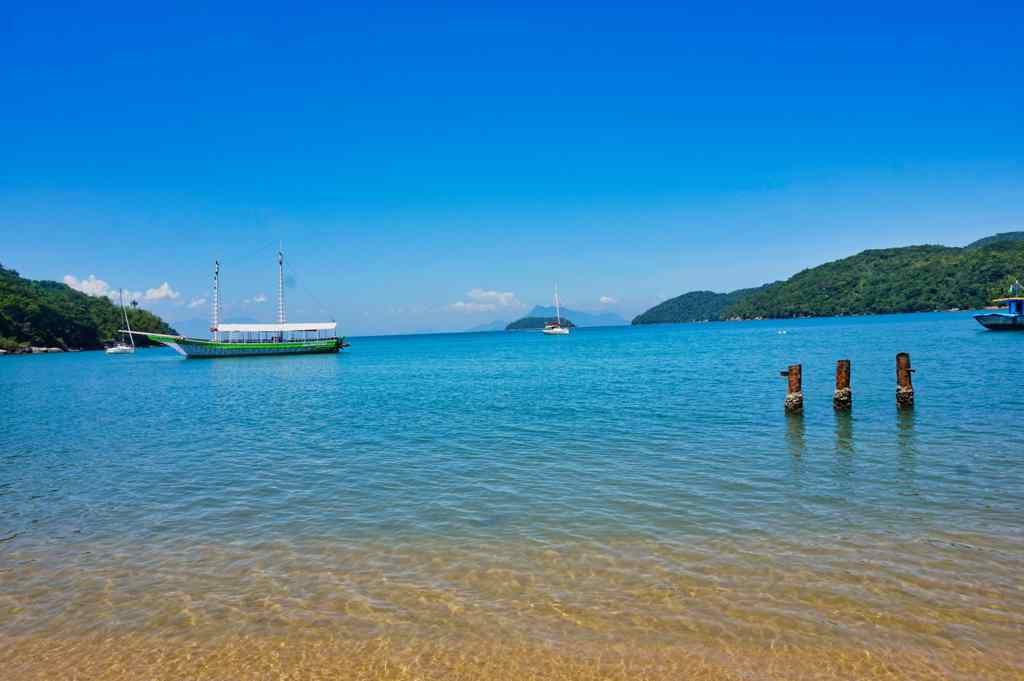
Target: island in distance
540, 314
579, 317
537, 323
882, 281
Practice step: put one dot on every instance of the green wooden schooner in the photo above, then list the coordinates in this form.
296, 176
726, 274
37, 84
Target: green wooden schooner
244, 340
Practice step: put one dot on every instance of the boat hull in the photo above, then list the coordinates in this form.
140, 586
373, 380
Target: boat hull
1001, 321
195, 348
560, 331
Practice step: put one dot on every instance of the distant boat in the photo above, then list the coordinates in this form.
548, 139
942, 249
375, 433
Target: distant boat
120, 347
1012, 319
242, 340
555, 328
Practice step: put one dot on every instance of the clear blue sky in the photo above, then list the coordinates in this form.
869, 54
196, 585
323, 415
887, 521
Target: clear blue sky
409, 155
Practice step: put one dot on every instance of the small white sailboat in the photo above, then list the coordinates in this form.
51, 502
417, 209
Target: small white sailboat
121, 348
555, 328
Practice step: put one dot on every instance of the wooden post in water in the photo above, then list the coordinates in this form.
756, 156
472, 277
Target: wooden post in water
794, 403
842, 398
904, 385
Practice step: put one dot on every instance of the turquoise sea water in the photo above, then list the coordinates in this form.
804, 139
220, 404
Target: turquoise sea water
359, 492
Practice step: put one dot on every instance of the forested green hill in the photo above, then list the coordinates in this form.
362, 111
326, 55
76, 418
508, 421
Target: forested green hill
695, 306
1004, 236
909, 279
51, 314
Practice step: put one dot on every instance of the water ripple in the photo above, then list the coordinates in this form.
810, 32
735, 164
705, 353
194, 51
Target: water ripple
636, 487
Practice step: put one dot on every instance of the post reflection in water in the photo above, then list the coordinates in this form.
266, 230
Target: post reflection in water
844, 447
844, 434
906, 438
796, 443
795, 435
905, 432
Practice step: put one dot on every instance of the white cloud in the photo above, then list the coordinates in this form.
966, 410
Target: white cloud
161, 292
94, 286
608, 300
90, 285
486, 301
506, 299
197, 302
258, 298
462, 306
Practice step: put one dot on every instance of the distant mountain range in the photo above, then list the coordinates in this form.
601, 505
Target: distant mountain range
199, 327
545, 313
490, 326
530, 323
908, 279
193, 328
579, 317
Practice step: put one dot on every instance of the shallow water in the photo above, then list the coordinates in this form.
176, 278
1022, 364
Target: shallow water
620, 503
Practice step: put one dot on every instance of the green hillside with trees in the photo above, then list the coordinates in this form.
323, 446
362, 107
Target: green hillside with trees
52, 314
695, 306
1004, 236
909, 279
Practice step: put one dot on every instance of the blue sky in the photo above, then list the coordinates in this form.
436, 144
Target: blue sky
413, 158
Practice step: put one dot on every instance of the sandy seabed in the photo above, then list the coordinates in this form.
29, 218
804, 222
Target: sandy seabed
136, 657
862, 608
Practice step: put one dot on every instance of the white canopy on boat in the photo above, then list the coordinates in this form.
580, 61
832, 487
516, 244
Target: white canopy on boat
271, 328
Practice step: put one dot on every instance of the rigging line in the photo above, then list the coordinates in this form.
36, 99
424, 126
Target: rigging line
298, 282
261, 250
270, 252
322, 308
235, 263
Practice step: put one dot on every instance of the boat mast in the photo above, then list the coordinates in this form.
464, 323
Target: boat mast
280, 286
127, 324
215, 308
558, 308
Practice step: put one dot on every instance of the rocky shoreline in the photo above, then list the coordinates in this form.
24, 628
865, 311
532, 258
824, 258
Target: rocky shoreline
36, 350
